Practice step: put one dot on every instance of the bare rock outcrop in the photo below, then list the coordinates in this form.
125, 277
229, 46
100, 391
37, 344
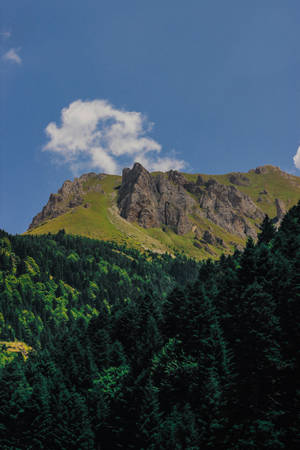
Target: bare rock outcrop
171, 200
164, 199
68, 197
267, 168
281, 210
177, 177
209, 238
239, 179
229, 208
152, 201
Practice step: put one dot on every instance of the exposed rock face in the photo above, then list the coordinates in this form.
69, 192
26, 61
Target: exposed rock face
165, 200
261, 170
155, 201
229, 208
171, 200
68, 197
209, 237
237, 246
198, 245
239, 179
267, 168
199, 180
281, 210
177, 177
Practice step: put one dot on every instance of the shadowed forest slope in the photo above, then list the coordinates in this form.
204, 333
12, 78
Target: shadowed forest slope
148, 351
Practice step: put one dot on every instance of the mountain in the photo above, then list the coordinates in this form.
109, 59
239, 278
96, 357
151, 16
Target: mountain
202, 215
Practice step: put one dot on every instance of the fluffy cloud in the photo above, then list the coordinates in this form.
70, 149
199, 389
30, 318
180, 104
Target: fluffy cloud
161, 164
297, 158
96, 135
5, 34
12, 55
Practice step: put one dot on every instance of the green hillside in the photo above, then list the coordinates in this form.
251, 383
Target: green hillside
101, 219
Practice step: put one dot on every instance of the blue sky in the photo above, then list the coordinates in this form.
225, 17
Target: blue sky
204, 85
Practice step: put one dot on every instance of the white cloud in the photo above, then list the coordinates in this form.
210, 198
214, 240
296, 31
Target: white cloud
5, 34
96, 135
297, 158
161, 164
12, 55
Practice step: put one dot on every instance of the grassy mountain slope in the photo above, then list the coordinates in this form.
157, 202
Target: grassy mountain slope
101, 219
277, 183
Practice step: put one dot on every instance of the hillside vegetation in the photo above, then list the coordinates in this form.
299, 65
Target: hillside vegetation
98, 215
150, 351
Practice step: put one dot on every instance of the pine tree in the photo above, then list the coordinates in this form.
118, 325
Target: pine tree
267, 231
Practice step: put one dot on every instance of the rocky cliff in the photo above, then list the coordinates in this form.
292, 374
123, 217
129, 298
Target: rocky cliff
229, 208
153, 201
170, 199
201, 215
70, 195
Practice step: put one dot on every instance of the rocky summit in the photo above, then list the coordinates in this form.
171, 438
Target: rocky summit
202, 215
154, 201
165, 199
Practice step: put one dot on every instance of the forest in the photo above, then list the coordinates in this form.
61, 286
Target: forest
103, 347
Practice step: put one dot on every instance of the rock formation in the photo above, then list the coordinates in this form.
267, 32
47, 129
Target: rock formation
164, 199
239, 179
281, 211
229, 208
68, 197
152, 201
172, 200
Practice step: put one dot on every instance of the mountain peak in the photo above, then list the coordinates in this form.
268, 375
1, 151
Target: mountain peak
172, 210
265, 169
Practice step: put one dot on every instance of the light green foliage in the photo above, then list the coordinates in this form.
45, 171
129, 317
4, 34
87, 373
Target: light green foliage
39, 324
111, 380
103, 266
51, 285
93, 290
9, 349
26, 284
8, 261
26, 318
107, 305
31, 266
90, 259
60, 312
73, 256
10, 283
5, 356
5, 243
123, 276
87, 312
48, 300
76, 314
171, 359
69, 291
